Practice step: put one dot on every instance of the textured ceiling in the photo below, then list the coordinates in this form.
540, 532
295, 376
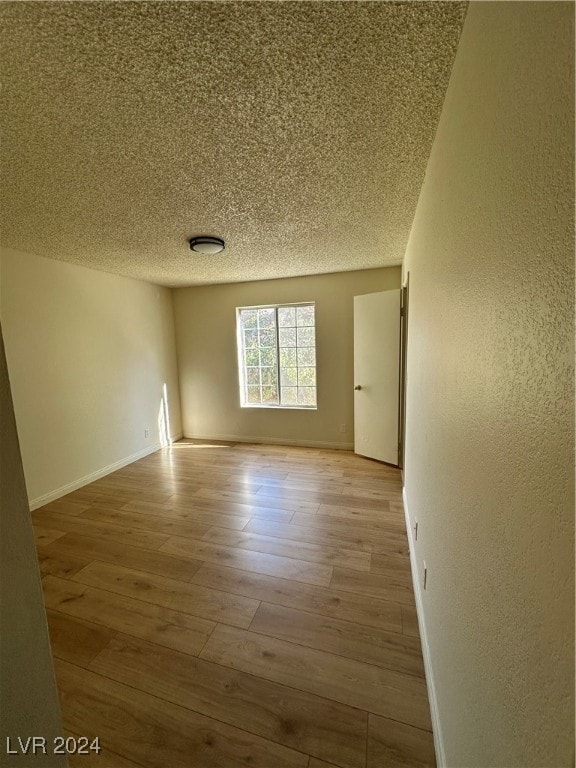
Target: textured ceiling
298, 131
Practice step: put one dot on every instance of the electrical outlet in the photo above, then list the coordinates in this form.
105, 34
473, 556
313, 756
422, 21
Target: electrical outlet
342, 427
416, 531
146, 433
425, 579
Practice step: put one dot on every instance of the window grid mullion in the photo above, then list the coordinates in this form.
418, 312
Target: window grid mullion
278, 355
259, 358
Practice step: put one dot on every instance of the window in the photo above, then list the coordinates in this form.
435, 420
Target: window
277, 356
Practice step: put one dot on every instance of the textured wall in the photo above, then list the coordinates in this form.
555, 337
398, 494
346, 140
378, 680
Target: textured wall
489, 465
208, 361
88, 355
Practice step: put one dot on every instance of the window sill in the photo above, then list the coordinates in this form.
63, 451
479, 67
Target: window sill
280, 407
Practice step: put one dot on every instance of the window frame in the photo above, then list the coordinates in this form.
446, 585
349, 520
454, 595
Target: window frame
241, 361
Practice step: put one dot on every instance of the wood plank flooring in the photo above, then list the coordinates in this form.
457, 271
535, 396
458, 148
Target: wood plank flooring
237, 605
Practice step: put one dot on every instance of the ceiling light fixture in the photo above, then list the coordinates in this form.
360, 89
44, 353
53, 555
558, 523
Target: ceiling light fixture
207, 244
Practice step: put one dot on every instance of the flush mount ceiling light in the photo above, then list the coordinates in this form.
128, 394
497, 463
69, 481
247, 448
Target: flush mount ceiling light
207, 244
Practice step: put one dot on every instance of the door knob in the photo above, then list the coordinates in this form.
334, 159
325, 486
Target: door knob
357, 387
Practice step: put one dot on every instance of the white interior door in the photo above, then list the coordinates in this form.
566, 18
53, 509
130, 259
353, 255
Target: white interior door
376, 375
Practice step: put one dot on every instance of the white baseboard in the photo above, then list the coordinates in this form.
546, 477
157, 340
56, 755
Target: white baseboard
39, 501
434, 712
274, 441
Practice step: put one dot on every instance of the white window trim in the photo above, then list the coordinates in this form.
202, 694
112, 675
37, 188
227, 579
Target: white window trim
241, 367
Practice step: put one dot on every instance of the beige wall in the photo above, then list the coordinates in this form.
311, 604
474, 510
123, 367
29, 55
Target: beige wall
28, 697
208, 362
88, 354
489, 464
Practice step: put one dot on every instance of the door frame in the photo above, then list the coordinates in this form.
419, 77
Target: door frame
404, 296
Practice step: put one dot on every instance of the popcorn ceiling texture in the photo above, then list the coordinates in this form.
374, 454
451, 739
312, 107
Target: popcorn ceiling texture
298, 131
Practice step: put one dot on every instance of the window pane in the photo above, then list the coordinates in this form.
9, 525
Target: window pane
305, 316
288, 377
248, 318
286, 316
289, 396
306, 356
250, 338
306, 377
268, 357
253, 394
269, 376
251, 357
267, 337
253, 377
287, 357
266, 318
287, 337
269, 395
305, 337
306, 395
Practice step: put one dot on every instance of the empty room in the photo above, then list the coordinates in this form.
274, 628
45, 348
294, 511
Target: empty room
287, 439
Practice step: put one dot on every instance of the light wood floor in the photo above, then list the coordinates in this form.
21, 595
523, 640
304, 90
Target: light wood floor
237, 605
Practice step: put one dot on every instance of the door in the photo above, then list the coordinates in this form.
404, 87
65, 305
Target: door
377, 375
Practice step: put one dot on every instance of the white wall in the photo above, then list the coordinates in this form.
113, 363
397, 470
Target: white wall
208, 360
489, 459
88, 356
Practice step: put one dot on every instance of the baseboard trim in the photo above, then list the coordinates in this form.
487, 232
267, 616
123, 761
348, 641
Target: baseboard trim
434, 711
274, 441
39, 501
